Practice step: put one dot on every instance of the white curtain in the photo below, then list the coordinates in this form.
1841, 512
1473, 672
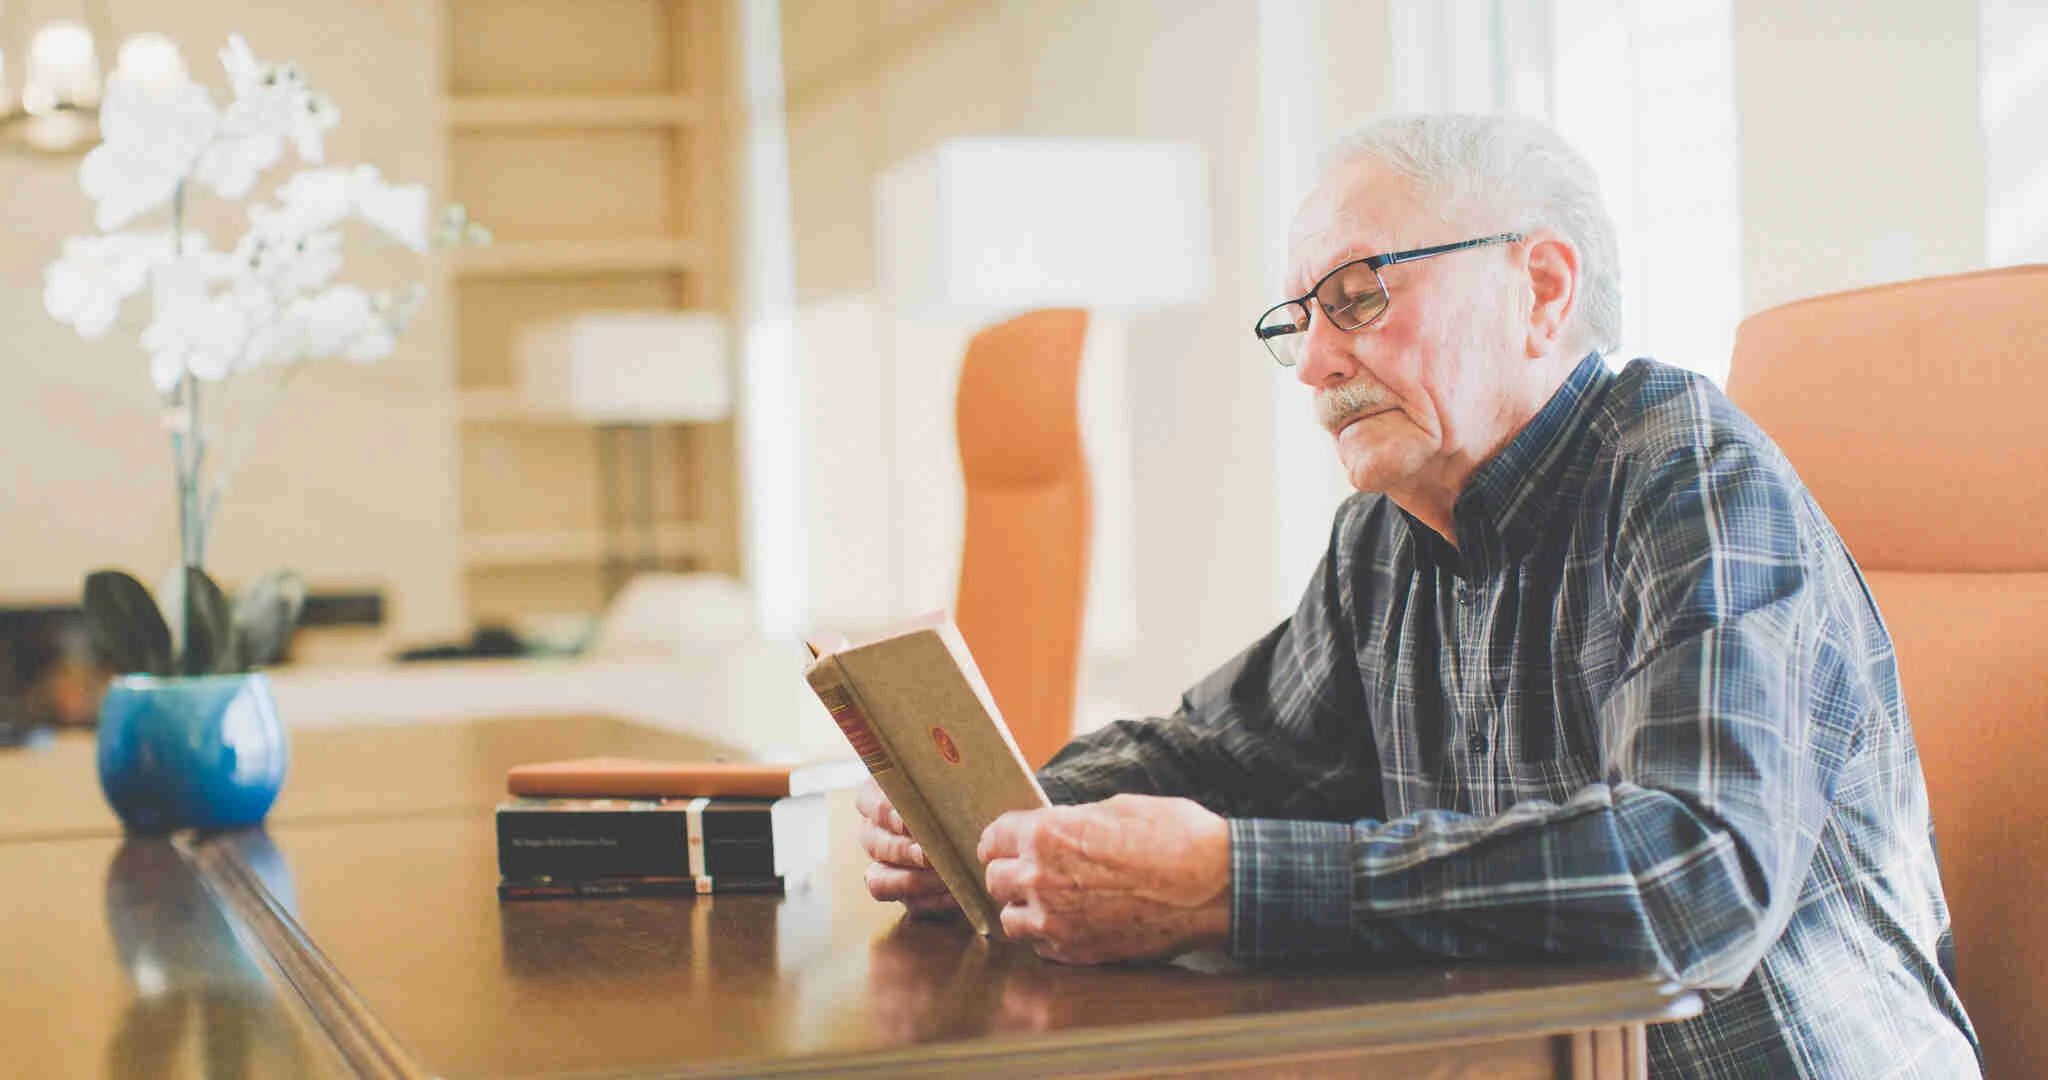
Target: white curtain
2013, 80
1646, 89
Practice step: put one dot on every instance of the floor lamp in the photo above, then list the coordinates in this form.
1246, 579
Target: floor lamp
626, 373
976, 230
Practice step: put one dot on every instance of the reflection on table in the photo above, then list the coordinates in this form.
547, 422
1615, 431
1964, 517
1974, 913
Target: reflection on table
361, 931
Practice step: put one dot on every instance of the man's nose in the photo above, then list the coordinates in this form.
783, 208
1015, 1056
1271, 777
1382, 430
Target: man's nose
1326, 358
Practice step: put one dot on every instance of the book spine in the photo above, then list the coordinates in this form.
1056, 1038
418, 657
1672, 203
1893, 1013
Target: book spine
559, 889
837, 695
695, 838
961, 871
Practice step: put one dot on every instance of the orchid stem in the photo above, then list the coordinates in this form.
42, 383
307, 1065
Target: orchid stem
188, 440
233, 450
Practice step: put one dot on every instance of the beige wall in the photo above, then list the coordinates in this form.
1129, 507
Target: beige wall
351, 479
1862, 159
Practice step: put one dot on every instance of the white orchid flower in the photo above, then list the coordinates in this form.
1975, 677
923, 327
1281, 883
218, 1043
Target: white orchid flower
309, 264
235, 159
398, 210
270, 301
278, 340
284, 260
245, 72
336, 320
315, 199
392, 315
85, 288
374, 344
192, 329
151, 138
271, 104
312, 117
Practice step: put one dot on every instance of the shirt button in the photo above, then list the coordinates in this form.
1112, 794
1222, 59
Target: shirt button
1477, 742
1465, 595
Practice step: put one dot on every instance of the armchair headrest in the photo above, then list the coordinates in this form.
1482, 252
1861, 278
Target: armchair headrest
1916, 413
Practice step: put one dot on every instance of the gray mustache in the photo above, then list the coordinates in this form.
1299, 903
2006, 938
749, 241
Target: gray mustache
1336, 406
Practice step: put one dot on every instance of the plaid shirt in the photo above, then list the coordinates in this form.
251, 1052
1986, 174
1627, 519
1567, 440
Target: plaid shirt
1645, 713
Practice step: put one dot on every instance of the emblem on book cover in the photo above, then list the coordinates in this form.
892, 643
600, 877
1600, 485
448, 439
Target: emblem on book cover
945, 744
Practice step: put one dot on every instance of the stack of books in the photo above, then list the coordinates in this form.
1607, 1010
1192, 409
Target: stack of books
597, 827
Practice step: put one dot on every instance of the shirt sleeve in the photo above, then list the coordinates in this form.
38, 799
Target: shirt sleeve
1258, 736
1722, 738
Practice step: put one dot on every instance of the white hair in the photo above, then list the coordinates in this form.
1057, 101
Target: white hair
1505, 174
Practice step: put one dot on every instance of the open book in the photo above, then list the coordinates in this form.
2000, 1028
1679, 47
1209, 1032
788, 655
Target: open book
916, 710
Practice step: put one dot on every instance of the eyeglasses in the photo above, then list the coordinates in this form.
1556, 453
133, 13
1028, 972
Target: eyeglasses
1352, 297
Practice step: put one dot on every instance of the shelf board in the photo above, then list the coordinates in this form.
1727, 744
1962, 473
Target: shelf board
486, 551
508, 406
530, 259
578, 111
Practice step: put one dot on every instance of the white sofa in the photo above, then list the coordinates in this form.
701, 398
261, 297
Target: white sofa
675, 651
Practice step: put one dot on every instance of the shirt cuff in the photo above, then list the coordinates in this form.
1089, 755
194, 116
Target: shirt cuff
1057, 791
1290, 888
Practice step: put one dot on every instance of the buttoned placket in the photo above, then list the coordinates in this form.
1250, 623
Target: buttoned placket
1468, 712
1475, 682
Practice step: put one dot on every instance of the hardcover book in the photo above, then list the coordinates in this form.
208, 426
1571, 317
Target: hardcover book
640, 778
597, 839
915, 708
621, 778
549, 888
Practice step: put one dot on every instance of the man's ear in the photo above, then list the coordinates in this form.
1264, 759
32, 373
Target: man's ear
1552, 264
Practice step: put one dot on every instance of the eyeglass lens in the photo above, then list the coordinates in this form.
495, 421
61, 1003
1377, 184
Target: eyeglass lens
1349, 298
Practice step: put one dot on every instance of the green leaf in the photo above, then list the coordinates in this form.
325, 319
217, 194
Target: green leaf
126, 629
265, 616
209, 627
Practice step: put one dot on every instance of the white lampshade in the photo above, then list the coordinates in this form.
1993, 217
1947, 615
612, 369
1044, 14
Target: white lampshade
628, 367
1004, 224
63, 69
152, 60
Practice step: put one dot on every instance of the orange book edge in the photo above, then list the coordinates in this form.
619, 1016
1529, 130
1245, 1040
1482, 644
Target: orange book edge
610, 777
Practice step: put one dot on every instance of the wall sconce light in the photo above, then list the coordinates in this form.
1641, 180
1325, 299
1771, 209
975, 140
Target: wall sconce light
51, 80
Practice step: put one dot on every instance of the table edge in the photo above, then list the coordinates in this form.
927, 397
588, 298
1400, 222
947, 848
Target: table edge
362, 1039
372, 1048
1188, 1043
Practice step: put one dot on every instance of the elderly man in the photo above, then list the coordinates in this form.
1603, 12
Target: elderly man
1584, 674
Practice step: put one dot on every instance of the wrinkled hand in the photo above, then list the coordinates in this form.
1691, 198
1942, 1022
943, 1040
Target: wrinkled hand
900, 870
1134, 876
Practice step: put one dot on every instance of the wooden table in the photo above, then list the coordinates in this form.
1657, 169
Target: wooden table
360, 933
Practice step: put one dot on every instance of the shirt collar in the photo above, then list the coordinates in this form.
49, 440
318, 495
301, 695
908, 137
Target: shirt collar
1504, 506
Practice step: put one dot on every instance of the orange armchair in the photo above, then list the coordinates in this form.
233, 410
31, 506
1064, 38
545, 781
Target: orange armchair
1913, 412
1024, 558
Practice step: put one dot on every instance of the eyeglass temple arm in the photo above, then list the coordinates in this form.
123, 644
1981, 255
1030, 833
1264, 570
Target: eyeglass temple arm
1423, 253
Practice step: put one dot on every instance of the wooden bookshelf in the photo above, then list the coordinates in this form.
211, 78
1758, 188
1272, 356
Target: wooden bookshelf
589, 135
578, 111
562, 258
674, 540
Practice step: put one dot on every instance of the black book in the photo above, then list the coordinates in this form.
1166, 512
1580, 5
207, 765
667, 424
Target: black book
601, 839
570, 888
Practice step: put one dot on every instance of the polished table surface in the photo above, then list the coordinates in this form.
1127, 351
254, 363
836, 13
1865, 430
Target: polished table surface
52, 791
361, 932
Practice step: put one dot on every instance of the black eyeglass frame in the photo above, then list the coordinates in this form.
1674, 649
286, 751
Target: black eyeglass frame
1373, 263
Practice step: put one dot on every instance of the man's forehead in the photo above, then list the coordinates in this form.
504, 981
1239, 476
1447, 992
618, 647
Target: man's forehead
1355, 211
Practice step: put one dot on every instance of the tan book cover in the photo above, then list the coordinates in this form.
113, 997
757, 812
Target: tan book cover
915, 708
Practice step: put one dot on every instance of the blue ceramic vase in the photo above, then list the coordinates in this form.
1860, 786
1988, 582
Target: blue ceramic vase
205, 752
